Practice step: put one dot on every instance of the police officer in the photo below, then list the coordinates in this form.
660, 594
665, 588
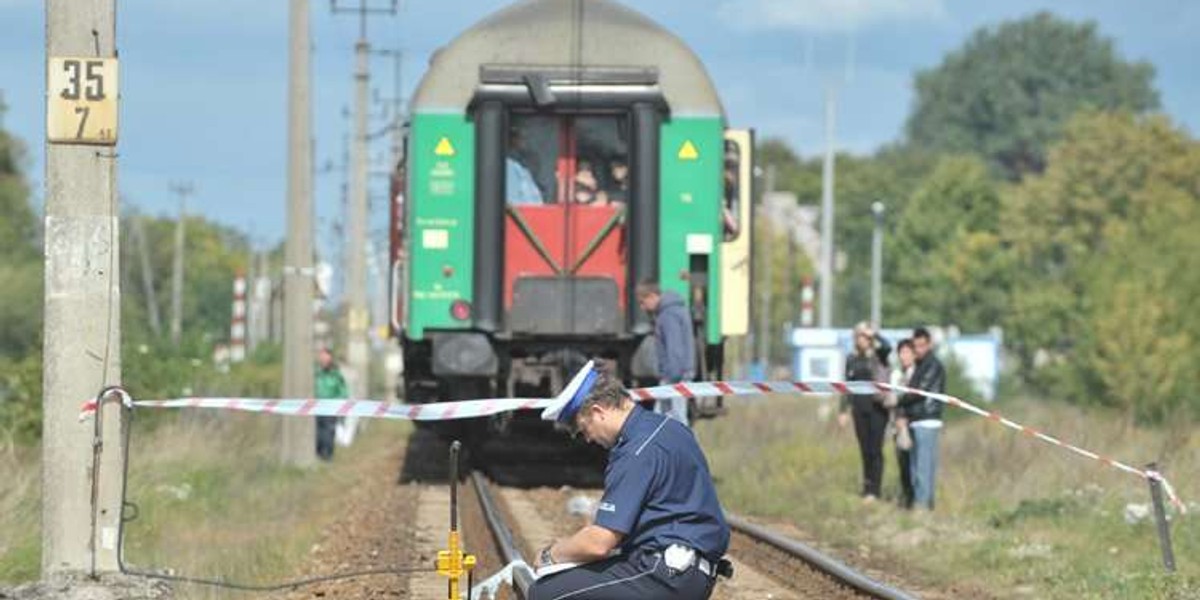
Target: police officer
659, 509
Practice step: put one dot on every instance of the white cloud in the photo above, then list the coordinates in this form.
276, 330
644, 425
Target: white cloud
822, 16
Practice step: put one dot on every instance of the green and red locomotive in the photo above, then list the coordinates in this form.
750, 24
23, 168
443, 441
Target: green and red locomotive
558, 152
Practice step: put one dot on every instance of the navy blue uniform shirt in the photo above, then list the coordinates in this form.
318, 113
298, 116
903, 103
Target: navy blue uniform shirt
658, 491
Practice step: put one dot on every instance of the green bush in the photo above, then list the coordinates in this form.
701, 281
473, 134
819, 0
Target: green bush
20, 400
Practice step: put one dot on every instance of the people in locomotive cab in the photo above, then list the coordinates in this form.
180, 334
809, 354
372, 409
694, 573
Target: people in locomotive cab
587, 186
519, 185
674, 343
618, 188
659, 531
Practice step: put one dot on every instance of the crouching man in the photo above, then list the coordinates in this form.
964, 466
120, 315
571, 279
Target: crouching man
659, 531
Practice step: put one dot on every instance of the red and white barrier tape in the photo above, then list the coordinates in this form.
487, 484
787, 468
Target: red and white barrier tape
341, 407
468, 409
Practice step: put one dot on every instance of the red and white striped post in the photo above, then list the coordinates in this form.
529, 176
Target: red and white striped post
237, 327
806, 303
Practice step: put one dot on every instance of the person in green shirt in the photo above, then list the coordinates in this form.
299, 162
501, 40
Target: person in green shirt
329, 384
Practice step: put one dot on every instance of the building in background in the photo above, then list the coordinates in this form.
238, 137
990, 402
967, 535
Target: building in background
820, 353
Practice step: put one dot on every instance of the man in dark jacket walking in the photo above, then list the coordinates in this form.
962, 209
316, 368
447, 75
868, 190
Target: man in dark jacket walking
674, 343
924, 417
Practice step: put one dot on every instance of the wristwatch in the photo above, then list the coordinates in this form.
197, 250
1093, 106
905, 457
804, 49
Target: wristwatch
545, 557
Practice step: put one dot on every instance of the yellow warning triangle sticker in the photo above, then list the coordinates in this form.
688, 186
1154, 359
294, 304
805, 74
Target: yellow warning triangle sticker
688, 151
444, 148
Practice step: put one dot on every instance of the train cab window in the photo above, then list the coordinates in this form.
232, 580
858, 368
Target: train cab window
567, 159
600, 145
531, 161
731, 206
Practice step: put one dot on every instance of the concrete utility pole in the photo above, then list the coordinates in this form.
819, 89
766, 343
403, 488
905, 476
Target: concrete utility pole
764, 319
139, 231
183, 190
260, 300
877, 209
825, 306
356, 227
298, 440
357, 315
81, 480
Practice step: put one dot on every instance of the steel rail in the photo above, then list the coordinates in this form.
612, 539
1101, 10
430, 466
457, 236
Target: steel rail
505, 540
818, 560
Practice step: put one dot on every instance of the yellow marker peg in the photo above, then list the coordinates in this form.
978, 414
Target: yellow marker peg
444, 147
688, 151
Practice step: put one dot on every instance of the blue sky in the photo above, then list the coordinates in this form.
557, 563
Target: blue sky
203, 81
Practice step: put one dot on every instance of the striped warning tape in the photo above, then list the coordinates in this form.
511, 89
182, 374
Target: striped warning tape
468, 409
743, 388
342, 407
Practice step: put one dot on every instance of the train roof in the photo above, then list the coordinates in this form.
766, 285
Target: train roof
546, 34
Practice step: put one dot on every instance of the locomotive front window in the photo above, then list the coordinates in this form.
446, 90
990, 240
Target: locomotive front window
561, 159
529, 167
601, 174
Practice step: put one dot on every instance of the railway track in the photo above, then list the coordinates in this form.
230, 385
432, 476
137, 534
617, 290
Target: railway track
385, 524
766, 564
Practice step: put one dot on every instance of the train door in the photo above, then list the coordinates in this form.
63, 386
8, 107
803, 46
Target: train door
738, 178
566, 188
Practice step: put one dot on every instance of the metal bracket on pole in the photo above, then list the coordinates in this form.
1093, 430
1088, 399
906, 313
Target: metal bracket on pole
1160, 518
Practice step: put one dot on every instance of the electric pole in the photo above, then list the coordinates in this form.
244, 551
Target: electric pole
139, 231
764, 319
877, 209
298, 434
825, 303
183, 190
82, 475
357, 316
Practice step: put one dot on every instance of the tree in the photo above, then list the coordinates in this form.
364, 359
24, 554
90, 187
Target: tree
1008, 92
946, 263
889, 176
214, 254
20, 269
1105, 246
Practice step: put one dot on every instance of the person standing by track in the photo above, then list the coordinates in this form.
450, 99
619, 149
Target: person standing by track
907, 358
674, 343
868, 362
659, 508
329, 384
924, 416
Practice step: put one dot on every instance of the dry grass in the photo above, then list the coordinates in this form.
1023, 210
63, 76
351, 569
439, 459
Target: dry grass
1015, 516
20, 502
213, 500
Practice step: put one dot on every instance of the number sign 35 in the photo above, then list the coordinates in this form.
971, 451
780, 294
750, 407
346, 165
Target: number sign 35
81, 98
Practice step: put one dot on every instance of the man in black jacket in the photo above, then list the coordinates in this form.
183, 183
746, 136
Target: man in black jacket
924, 417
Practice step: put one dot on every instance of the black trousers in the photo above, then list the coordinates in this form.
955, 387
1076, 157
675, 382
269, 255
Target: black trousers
906, 485
641, 574
326, 426
870, 424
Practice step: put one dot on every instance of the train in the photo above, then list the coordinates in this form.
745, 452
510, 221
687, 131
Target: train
556, 154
